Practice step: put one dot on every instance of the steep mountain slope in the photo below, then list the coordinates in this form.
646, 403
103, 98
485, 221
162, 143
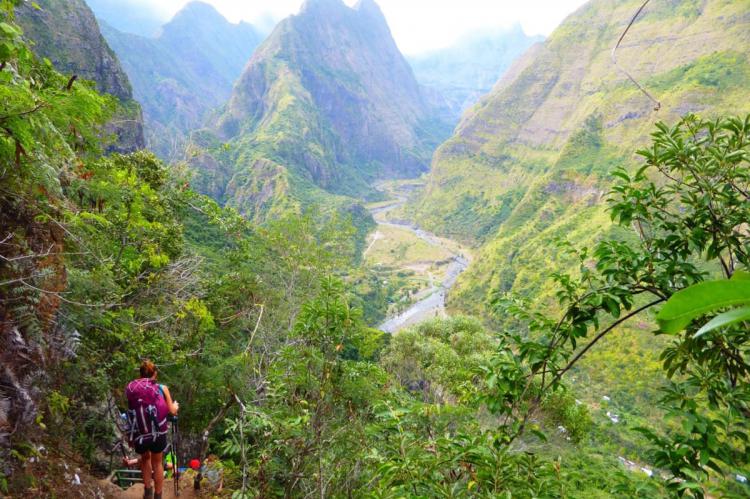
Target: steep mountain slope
67, 33
533, 162
185, 72
326, 105
470, 68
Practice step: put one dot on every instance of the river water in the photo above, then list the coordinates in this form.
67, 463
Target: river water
431, 302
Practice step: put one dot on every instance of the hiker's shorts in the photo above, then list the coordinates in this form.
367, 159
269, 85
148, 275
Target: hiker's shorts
155, 446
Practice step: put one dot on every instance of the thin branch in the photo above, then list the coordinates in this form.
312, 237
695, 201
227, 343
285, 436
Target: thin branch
614, 58
30, 256
78, 240
21, 279
156, 321
42, 255
72, 80
601, 335
242, 443
207, 431
257, 324
23, 113
62, 298
739, 189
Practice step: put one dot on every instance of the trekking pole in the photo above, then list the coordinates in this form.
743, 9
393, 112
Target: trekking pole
175, 454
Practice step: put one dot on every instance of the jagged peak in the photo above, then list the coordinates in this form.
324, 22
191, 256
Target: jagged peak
198, 9
366, 9
199, 15
316, 5
371, 9
367, 5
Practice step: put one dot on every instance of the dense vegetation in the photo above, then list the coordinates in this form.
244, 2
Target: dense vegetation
107, 259
533, 163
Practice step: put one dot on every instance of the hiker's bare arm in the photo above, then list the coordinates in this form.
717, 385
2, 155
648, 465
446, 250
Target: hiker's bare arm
172, 406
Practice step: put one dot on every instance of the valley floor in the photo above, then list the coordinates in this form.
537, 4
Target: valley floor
429, 264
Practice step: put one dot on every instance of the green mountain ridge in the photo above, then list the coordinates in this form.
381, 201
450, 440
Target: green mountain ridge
532, 162
67, 34
185, 72
327, 105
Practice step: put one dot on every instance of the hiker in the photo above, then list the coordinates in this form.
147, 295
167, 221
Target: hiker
149, 405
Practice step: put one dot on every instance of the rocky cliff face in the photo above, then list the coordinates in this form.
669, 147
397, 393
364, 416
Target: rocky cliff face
67, 33
532, 162
467, 70
185, 72
329, 104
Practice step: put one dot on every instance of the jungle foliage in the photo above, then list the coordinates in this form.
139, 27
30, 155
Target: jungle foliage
688, 204
107, 259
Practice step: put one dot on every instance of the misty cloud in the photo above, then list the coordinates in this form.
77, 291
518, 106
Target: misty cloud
417, 25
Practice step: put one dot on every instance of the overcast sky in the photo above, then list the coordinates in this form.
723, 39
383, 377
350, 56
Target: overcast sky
417, 25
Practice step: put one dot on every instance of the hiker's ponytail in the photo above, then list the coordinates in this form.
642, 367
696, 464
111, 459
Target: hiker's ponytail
148, 369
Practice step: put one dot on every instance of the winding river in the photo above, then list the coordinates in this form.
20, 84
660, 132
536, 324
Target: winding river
430, 302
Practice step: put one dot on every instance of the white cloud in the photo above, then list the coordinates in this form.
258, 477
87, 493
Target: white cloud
417, 25
420, 25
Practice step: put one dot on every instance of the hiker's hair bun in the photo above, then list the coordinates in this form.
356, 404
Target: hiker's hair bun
148, 369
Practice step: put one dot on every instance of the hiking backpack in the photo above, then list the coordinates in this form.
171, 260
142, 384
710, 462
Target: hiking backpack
147, 410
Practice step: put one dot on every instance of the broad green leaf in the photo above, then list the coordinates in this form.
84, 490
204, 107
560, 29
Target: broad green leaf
8, 29
741, 275
690, 303
725, 319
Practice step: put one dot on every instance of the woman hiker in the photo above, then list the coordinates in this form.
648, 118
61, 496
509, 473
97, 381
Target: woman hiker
149, 405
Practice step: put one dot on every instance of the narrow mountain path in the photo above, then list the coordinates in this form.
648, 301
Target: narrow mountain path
430, 301
136, 491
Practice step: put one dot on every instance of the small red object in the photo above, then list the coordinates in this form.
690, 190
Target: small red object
195, 464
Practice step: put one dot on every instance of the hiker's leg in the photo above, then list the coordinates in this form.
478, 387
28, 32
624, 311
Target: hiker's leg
158, 466
146, 470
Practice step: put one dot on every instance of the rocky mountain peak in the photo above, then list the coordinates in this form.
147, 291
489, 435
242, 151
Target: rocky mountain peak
311, 6
201, 18
372, 18
197, 12
185, 72
330, 102
369, 7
